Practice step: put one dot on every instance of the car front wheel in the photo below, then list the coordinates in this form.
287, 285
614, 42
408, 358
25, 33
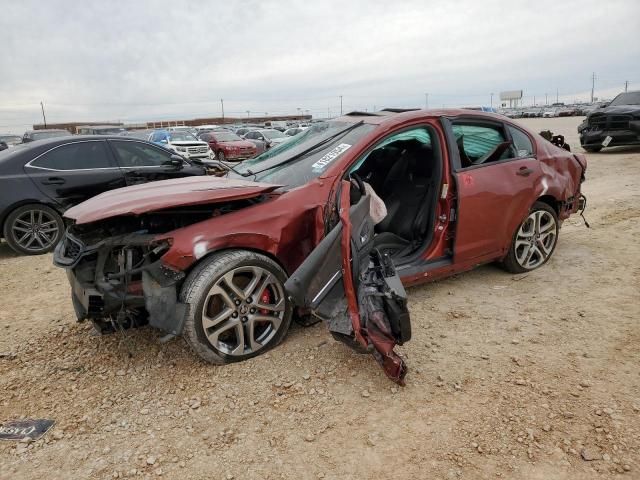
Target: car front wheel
236, 306
221, 156
535, 240
33, 229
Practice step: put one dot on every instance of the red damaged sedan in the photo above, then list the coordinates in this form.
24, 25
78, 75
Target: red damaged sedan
229, 146
329, 225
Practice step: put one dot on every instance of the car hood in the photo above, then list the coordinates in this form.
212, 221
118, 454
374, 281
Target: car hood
190, 143
238, 143
617, 110
153, 196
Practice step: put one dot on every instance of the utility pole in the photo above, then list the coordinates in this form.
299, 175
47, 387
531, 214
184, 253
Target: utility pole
340, 105
557, 101
546, 99
534, 100
626, 85
248, 113
43, 117
593, 84
491, 99
222, 104
426, 101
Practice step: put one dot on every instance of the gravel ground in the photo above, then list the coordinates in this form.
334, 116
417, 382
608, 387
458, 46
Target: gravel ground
533, 376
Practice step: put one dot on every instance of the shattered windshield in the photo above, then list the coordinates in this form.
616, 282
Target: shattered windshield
309, 165
628, 98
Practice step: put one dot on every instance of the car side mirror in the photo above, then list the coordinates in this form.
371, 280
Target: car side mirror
175, 161
164, 140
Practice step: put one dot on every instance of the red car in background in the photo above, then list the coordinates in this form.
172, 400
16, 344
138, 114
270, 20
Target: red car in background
225, 261
228, 146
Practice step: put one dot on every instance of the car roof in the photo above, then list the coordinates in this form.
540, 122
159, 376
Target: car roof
390, 117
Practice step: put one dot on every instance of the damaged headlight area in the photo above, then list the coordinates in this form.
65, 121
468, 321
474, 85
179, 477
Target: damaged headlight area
115, 267
121, 282
116, 272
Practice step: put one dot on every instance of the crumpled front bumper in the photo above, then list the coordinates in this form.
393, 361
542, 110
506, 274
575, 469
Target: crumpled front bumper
97, 295
593, 137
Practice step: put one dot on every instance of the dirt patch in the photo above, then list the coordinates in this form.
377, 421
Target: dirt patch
533, 376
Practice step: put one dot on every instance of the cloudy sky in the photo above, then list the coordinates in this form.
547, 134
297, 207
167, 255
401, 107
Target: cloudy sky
153, 59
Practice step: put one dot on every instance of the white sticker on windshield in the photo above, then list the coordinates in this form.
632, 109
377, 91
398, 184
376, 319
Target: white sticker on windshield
330, 156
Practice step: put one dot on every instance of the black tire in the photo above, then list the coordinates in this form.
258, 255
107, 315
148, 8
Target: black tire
221, 156
511, 262
592, 149
196, 288
44, 239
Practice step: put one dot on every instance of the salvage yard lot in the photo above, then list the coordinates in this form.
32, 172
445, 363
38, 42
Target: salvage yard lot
530, 376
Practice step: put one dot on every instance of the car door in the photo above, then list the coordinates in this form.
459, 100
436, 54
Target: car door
76, 171
354, 289
142, 162
495, 186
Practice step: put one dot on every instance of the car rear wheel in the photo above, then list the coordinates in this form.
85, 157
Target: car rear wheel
221, 156
33, 229
535, 240
592, 149
236, 306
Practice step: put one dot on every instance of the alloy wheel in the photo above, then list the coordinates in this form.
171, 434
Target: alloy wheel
35, 230
243, 310
536, 239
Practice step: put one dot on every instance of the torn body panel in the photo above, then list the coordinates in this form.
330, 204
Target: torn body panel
347, 283
562, 175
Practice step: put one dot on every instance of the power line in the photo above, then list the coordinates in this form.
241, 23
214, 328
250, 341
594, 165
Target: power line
43, 117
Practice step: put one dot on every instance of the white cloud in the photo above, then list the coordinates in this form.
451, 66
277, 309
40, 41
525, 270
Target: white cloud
145, 60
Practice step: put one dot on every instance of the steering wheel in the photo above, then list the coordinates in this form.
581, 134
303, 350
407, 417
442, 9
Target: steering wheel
357, 181
357, 190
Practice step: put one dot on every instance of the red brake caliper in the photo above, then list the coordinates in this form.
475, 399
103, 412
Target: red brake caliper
265, 299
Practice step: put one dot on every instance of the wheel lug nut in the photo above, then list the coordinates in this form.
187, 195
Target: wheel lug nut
249, 300
244, 319
253, 310
234, 314
238, 302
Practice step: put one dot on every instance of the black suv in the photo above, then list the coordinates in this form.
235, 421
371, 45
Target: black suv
40, 180
615, 124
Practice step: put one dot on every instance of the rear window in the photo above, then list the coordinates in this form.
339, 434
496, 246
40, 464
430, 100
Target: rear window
521, 142
75, 156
